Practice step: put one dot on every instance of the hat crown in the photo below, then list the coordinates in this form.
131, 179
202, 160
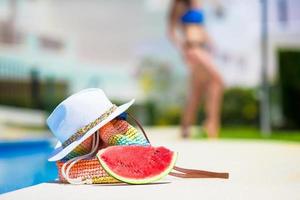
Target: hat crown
77, 111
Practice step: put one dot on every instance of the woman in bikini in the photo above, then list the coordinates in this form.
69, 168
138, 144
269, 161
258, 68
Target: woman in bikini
205, 81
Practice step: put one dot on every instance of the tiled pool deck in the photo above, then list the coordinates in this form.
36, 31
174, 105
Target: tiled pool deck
258, 170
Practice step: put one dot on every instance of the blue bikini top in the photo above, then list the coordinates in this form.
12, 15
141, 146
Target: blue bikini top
193, 16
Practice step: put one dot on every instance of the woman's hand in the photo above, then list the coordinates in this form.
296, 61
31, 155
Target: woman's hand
210, 44
172, 35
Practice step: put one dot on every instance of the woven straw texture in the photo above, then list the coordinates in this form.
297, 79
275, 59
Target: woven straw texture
116, 132
87, 169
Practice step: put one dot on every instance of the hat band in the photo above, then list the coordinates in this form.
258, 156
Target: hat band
88, 127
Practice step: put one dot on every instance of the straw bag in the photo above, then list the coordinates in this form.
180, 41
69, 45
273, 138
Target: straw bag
88, 169
82, 167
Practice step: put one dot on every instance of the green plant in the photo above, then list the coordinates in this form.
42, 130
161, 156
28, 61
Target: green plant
240, 106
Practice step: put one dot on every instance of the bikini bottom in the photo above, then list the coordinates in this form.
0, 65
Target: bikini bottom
201, 45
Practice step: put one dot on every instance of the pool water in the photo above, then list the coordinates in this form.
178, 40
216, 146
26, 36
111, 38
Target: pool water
23, 164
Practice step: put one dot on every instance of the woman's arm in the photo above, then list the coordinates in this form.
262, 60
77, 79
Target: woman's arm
209, 42
173, 19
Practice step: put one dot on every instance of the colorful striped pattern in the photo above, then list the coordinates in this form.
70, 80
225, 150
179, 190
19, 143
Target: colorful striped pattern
82, 149
131, 137
116, 132
87, 170
120, 132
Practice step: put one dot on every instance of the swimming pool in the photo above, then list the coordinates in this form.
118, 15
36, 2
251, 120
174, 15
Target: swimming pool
24, 163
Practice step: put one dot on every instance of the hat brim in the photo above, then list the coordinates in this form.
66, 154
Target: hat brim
60, 152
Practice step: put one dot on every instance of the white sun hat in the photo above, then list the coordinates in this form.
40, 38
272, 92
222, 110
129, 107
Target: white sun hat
78, 117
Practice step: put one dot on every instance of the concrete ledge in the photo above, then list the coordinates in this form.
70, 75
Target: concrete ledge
258, 170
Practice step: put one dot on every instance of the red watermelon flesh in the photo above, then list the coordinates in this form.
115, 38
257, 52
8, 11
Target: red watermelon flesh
137, 164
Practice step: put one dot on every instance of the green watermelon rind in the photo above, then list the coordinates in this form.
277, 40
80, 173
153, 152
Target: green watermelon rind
138, 181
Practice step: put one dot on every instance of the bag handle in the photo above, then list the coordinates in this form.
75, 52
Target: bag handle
195, 173
184, 172
65, 170
139, 125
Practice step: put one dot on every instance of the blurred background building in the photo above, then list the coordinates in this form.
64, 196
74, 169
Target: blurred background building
121, 46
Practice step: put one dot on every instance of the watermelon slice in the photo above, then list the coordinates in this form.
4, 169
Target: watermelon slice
137, 164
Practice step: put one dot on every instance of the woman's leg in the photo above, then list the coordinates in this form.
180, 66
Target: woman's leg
192, 104
214, 95
213, 107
